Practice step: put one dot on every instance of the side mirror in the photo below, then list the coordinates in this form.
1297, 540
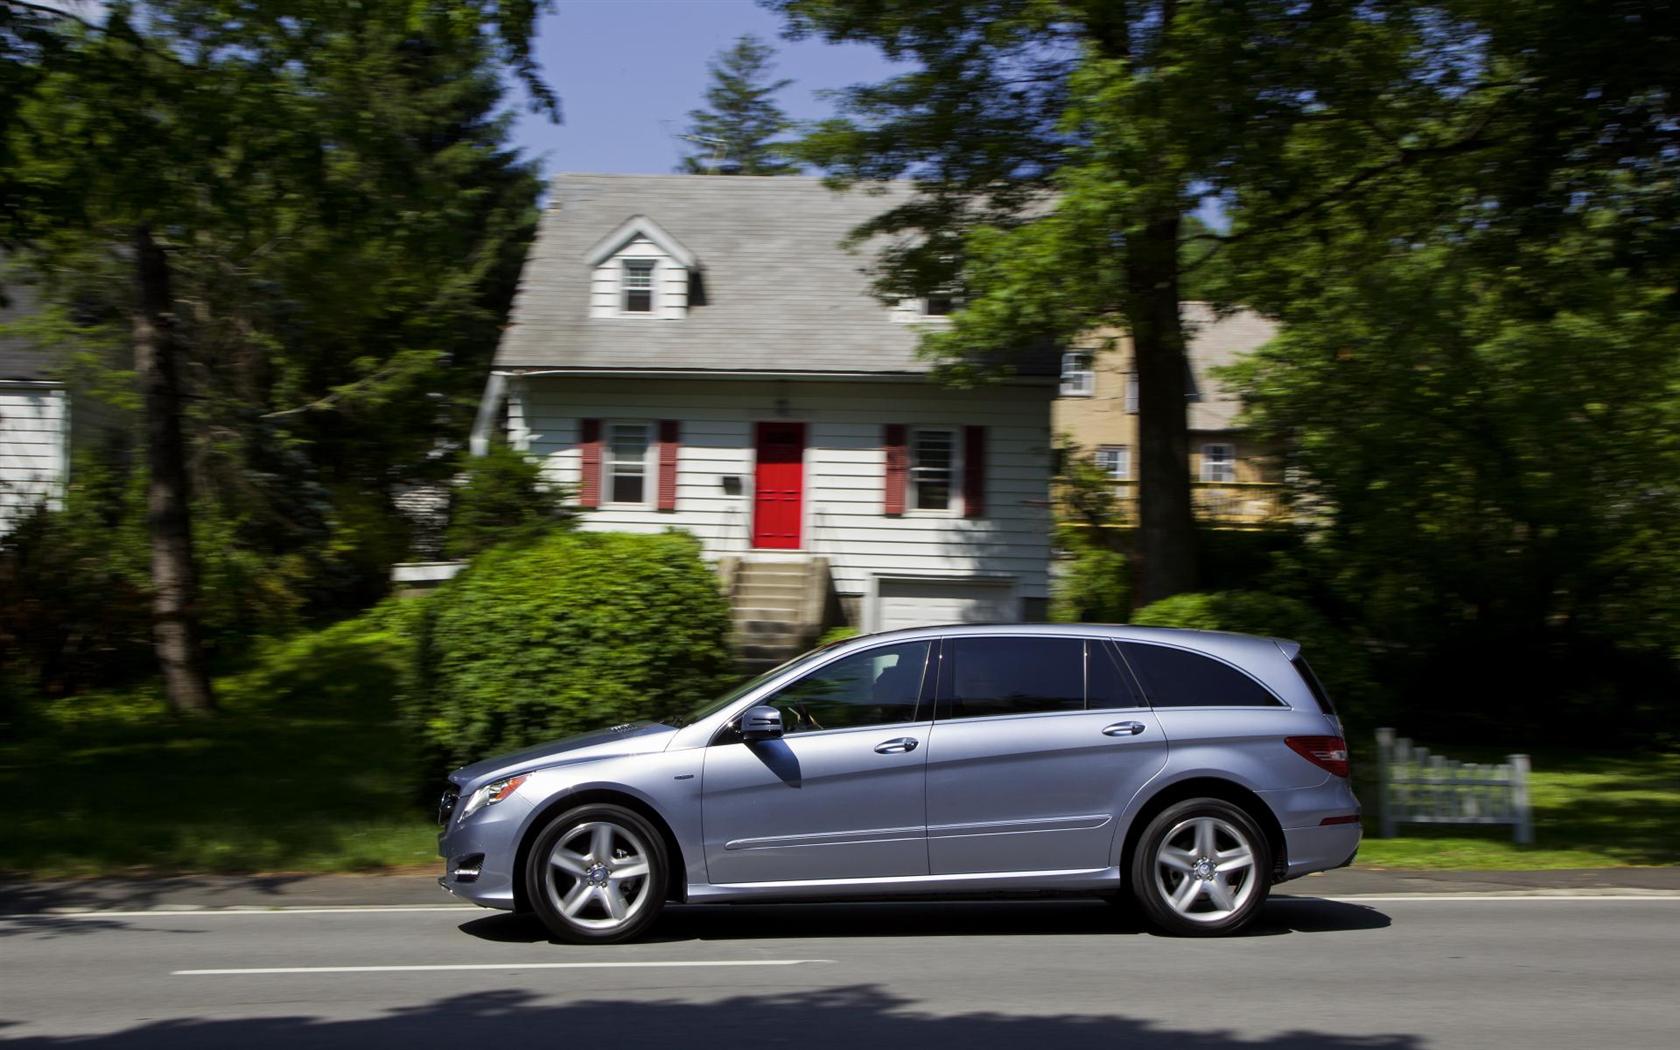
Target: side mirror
761, 723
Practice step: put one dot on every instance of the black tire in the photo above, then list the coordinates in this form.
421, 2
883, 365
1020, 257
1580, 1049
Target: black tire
587, 885
1217, 902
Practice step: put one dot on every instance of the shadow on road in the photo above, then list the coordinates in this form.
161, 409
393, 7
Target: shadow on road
825, 1019
726, 922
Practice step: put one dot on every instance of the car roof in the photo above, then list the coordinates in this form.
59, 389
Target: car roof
1225, 644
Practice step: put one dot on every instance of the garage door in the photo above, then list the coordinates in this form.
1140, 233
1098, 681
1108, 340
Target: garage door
928, 603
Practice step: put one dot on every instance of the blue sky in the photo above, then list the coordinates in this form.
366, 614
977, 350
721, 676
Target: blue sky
628, 72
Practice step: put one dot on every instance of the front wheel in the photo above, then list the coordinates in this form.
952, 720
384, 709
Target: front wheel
596, 875
1202, 868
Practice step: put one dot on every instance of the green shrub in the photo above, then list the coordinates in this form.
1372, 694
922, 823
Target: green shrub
563, 633
1095, 586
1334, 658
505, 497
837, 634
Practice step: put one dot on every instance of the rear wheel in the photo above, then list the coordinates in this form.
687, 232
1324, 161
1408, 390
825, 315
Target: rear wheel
1202, 868
596, 874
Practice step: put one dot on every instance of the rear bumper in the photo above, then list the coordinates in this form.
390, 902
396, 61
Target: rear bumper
1320, 848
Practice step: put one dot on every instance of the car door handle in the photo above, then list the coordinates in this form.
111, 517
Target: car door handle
896, 747
1123, 729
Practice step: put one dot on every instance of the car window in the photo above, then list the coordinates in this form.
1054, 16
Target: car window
991, 675
1106, 682
874, 687
1179, 678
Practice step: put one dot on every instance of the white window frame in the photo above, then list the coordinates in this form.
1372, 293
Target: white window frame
1079, 374
1130, 392
638, 262
609, 464
1226, 460
1122, 455
912, 496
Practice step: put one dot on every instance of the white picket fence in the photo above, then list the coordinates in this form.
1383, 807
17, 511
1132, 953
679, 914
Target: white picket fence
1416, 787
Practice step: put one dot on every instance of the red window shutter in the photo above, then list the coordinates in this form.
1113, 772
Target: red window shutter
589, 448
898, 468
974, 472
669, 435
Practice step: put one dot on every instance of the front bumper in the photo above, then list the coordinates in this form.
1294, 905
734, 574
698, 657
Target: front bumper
479, 854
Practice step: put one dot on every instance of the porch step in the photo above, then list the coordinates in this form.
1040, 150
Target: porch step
773, 587
770, 612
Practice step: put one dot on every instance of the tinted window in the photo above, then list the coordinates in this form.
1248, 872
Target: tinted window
1318, 691
1177, 678
1007, 676
874, 687
1106, 683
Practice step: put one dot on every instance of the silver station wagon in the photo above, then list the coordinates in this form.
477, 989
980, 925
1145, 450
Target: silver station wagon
1191, 769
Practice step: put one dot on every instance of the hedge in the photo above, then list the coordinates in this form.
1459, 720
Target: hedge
567, 632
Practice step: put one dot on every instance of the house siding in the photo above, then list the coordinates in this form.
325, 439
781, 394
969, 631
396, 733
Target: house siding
670, 283
844, 513
34, 422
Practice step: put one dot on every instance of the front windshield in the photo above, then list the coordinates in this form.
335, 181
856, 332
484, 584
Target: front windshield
711, 707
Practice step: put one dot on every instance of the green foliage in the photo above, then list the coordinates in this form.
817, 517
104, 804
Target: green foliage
1338, 663
836, 634
306, 769
1094, 586
567, 632
739, 133
504, 497
344, 223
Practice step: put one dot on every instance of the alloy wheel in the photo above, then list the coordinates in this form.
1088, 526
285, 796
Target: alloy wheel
1204, 869
599, 875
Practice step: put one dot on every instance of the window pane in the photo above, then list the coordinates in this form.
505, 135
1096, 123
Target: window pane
627, 462
1115, 461
1106, 685
874, 687
1131, 392
1006, 676
1178, 678
931, 469
638, 286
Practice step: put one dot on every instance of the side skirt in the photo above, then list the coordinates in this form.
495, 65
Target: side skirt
1087, 880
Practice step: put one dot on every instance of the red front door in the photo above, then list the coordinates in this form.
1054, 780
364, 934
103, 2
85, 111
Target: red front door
779, 485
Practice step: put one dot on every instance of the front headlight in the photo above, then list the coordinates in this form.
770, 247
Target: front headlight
491, 793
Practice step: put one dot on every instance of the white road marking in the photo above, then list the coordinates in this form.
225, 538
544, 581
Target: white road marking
263, 970
1460, 898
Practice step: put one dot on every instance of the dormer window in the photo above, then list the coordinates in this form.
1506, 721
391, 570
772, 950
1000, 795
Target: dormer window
638, 286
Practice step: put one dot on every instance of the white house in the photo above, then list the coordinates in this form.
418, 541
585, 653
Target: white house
700, 353
34, 419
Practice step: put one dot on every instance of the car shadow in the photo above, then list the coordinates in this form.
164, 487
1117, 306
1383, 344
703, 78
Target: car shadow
1021, 918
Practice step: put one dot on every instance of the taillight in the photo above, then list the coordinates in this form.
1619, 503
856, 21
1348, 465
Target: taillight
1328, 753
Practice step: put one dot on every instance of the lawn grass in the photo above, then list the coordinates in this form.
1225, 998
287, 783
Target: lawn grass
1590, 811
306, 769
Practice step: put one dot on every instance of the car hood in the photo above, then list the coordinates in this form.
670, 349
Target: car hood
629, 739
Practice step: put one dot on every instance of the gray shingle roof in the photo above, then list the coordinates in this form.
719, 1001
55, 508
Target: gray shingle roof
781, 294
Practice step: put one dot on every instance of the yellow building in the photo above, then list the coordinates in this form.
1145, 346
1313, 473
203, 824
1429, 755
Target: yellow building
1234, 481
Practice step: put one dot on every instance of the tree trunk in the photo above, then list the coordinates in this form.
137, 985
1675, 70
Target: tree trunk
175, 632
1166, 544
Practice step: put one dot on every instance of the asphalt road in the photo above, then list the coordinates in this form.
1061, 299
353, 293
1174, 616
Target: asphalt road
1379, 972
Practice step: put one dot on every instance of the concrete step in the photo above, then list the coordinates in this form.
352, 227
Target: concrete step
760, 589
767, 569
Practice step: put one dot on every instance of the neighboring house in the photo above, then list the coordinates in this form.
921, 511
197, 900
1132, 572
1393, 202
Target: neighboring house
34, 417
699, 353
1233, 479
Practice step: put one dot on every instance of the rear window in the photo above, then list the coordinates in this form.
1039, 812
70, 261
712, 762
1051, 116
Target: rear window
1319, 693
1180, 678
